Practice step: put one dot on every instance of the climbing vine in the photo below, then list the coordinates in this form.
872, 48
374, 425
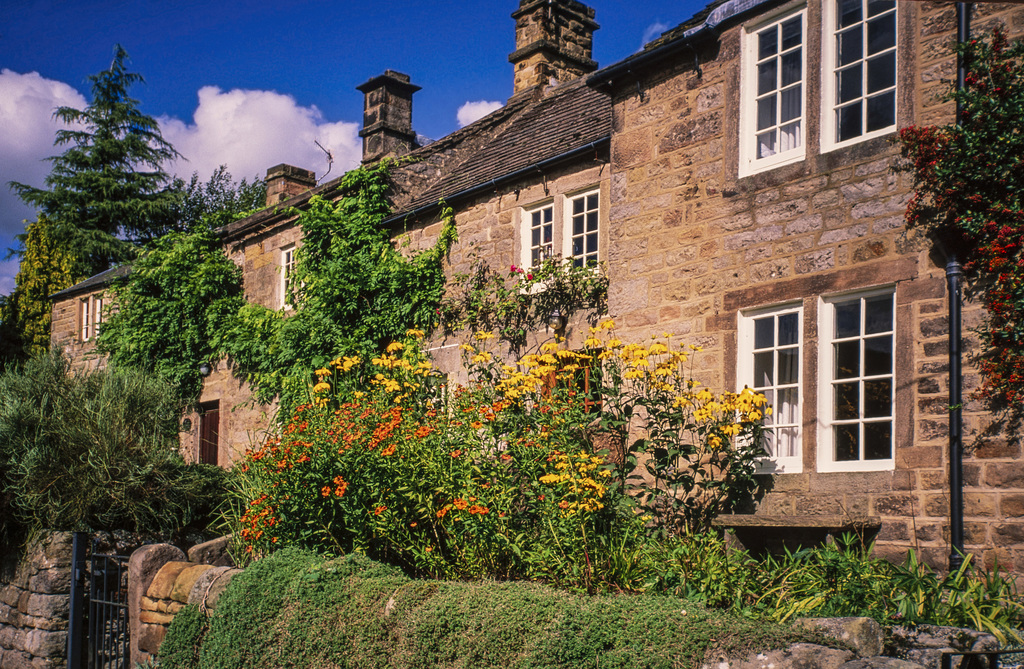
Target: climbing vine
969, 181
352, 291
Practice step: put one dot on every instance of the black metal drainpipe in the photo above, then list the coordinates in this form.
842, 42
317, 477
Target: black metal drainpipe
953, 275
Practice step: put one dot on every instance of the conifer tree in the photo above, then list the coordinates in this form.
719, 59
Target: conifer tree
46, 267
108, 189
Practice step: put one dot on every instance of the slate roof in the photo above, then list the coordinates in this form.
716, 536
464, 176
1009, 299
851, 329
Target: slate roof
94, 282
570, 117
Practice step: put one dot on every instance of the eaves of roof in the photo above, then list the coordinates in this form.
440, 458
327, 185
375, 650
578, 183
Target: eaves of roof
94, 282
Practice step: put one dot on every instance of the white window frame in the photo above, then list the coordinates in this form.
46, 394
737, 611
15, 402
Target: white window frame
562, 219
526, 260
773, 464
90, 316
749, 163
568, 229
287, 268
826, 397
829, 63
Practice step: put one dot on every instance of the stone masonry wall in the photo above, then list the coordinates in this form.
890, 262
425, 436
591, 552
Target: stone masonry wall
691, 244
65, 331
35, 592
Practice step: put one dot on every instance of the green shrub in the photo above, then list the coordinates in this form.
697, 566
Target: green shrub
96, 451
295, 609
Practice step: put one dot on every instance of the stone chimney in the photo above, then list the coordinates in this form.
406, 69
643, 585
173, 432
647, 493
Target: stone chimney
285, 181
554, 42
387, 116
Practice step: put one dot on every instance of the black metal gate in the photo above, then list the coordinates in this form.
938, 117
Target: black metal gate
98, 625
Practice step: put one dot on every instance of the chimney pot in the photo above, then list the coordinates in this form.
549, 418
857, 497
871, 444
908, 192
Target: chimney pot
387, 116
554, 40
286, 181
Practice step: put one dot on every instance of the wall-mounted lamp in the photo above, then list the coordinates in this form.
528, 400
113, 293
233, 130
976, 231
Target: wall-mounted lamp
204, 369
556, 321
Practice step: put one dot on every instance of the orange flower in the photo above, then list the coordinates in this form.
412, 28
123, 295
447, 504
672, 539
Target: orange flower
563, 504
505, 457
422, 431
390, 450
460, 504
325, 491
442, 512
476, 425
379, 510
456, 453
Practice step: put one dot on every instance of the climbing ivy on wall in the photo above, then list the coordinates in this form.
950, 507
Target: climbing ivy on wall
353, 291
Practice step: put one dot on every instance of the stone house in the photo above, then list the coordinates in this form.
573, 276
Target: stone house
739, 174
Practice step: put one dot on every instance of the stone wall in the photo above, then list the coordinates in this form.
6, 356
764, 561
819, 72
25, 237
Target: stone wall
35, 592
693, 244
162, 580
66, 332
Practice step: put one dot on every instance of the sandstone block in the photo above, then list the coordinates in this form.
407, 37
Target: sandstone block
164, 580
154, 618
150, 637
186, 579
880, 662
802, 655
864, 635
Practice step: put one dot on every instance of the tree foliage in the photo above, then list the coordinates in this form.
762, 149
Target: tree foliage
969, 179
180, 294
108, 189
47, 266
216, 202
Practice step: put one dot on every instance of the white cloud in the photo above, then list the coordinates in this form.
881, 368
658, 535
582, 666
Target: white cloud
27, 127
472, 111
250, 131
653, 31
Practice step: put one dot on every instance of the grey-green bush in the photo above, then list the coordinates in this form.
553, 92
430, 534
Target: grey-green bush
96, 450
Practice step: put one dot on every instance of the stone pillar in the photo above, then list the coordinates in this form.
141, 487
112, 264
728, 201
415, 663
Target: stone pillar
387, 116
143, 566
554, 42
285, 181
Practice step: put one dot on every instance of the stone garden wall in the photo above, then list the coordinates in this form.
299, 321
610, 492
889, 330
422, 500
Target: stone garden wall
35, 592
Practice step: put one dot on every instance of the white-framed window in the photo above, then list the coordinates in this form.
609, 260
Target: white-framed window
771, 362
568, 225
856, 386
85, 318
287, 270
583, 229
90, 316
773, 92
539, 234
859, 66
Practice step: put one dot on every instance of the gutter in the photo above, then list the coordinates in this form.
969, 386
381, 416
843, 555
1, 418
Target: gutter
511, 176
708, 30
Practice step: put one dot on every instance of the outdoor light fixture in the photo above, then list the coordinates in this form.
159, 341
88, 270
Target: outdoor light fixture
556, 321
205, 369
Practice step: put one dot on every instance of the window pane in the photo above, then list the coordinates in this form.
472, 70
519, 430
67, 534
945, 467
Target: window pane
547, 234
787, 442
876, 7
769, 396
877, 398
592, 221
592, 243
882, 111
847, 319
767, 77
788, 332
849, 122
878, 355
767, 43
764, 332
789, 360
792, 67
882, 72
878, 441
790, 136
763, 369
847, 401
850, 46
577, 225
592, 201
849, 83
577, 205
791, 104
766, 112
846, 437
878, 314
792, 32
786, 409
847, 363
768, 442
766, 144
535, 237
881, 33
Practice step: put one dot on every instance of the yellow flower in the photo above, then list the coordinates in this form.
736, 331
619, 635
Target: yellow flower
607, 325
657, 348
413, 332
481, 358
323, 371
550, 478
467, 347
548, 347
483, 336
394, 347
321, 387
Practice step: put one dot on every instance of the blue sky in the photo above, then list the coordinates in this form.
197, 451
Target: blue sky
252, 84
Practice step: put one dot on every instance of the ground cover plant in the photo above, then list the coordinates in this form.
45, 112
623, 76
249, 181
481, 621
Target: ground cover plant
96, 450
295, 608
